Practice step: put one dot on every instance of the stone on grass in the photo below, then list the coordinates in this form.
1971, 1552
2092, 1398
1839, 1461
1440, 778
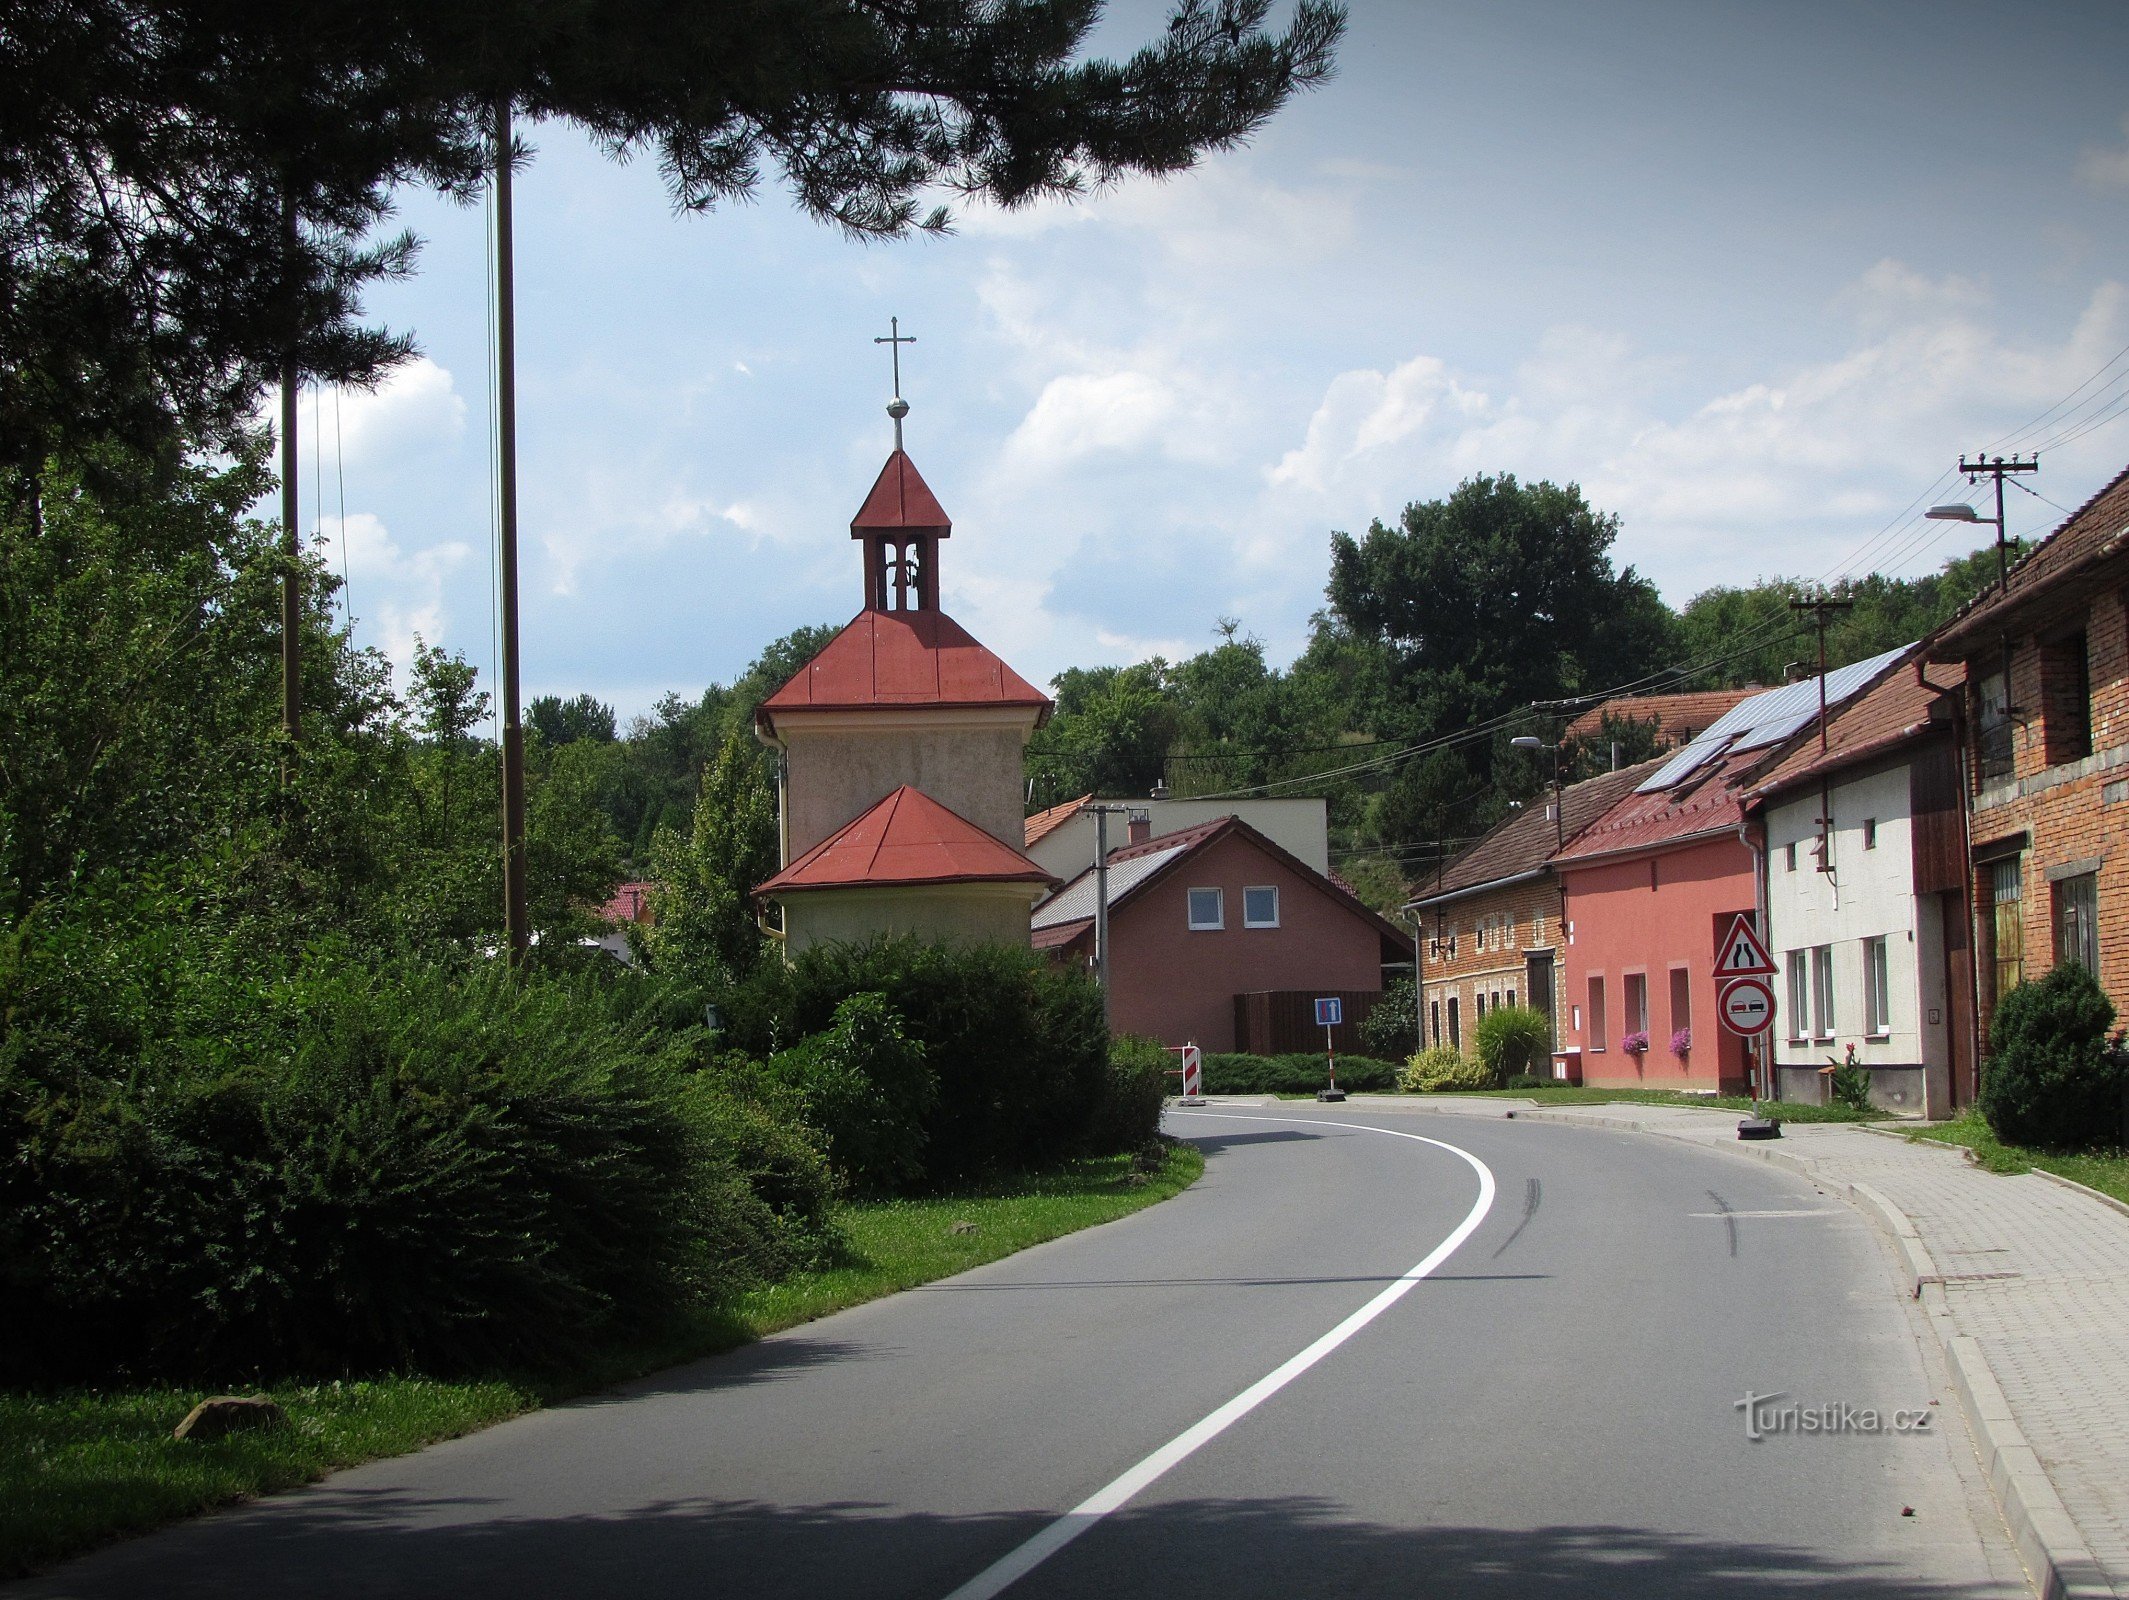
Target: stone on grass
219, 1415
962, 1227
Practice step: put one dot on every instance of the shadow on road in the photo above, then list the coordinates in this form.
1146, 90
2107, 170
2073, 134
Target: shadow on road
345, 1543
765, 1361
1211, 1143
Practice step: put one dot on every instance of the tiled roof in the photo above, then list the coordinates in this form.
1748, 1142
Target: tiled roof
1769, 718
1523, 842
1706, 802
2097, 530
900, 501
630, 903
1893, 711
901, 658
1044, 823
1677, 716
908, 838
1075, 901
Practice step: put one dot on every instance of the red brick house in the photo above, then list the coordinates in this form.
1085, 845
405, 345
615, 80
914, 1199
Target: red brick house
2047, 755
1202, 919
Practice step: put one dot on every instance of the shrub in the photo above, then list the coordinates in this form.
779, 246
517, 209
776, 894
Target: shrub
1128, 1115
1850, 1083
1440, 1068
1235, 1072
864, 1084
1514, 1041
2053, 1079
1017, 1044
215, 1163
1527, 1080
1391, 1031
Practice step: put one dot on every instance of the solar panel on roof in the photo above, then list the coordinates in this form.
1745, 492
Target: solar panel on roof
1768, 718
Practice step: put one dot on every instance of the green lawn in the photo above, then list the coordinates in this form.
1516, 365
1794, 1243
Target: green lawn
2107, 1173
81, 1467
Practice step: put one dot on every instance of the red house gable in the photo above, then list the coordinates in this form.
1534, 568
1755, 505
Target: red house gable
908, 838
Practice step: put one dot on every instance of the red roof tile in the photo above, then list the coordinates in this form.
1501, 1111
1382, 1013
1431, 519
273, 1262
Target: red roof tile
1677, 716
908, 838
900, 501
631, 902
1520, 844
1044, 823
1707, 802
901, 658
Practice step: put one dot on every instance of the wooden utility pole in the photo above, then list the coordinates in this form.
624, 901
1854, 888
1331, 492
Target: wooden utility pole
1995, 467
1821, 607
291, 547
516, 911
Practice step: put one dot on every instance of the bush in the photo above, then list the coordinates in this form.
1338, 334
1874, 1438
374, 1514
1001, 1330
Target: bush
1128, 1115
212, 1163
1442, 1068
865, 1086
1018, 1045
1233, 1072
2053, 1079
1513, 1041
1391, 1031
1850, 1083
1528, 1080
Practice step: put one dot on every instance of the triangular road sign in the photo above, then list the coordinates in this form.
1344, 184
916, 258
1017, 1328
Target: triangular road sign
1743, 955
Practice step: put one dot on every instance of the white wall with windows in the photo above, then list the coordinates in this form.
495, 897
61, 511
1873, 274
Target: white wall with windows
1861, 956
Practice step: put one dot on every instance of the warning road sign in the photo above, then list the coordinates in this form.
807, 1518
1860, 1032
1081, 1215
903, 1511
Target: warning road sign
1747, 1006
1741, 954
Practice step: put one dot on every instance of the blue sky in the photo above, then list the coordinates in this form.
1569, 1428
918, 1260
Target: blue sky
1753, 275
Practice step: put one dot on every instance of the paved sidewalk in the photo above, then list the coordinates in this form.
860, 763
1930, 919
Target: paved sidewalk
2026, 1284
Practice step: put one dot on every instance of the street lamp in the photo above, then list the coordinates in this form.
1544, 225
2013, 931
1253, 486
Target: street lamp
1527, 741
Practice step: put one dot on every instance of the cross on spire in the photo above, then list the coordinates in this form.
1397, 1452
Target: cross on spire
894, 339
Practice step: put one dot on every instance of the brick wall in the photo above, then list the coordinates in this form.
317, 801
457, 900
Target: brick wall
2074, 812
1493, 935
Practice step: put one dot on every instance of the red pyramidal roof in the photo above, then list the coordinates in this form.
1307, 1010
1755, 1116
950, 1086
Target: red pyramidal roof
900, 501
901, 658
908, 838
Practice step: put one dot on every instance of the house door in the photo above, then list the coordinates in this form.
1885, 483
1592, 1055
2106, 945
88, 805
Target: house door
1958, 996
1537, 985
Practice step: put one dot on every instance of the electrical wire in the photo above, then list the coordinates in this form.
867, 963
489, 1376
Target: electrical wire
347, 589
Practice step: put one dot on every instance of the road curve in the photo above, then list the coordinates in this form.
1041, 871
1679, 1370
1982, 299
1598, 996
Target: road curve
1549, 1409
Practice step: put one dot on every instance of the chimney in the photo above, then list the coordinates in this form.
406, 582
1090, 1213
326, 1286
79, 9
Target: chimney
1139, 824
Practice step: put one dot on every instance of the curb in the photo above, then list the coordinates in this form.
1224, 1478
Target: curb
2047, 1539
2085, 1189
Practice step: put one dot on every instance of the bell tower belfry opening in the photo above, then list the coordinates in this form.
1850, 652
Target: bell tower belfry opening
901, 522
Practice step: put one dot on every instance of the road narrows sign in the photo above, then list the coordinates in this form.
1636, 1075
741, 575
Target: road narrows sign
1747, 1006
1743, 954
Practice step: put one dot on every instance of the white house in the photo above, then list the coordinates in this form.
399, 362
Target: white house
1864, 888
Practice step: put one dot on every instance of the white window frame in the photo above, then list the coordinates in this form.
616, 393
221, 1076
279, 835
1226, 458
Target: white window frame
1877, 988
1822, 1008
1271, 889
1799, 996
1219, 910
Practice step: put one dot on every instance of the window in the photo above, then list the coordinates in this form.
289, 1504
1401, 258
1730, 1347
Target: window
2077, 921
2007, 923
1822, 990
1434, 1021
1208, 910
1481, 998
1636, 1003
1789, 856
2066, 700
1799, 998
1456, 1034
1877, 989
1681, 1005
1870, 833
1511, 997
1993, 732
1596, 1016
1260, 907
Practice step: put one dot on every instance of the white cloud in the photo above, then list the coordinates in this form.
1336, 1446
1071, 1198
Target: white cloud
1083, 414
2105, 168
1367, 411
396, 593
416, 410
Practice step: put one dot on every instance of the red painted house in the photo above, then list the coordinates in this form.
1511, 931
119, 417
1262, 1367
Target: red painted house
1650, 888
1209, 915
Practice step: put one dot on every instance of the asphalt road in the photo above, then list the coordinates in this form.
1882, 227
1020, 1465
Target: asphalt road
1550, 1410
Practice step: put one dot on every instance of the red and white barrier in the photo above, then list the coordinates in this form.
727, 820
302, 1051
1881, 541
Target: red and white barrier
1193, 1075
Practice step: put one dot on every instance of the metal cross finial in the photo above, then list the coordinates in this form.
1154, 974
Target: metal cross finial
894, 339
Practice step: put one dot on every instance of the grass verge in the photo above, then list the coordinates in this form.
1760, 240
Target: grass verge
2107, 1173
79, 1468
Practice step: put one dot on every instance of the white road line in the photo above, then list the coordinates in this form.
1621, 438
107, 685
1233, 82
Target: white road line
1010, 1569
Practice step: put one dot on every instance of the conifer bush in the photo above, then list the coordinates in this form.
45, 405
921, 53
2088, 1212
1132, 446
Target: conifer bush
1514, 1042
1298, 1072
1128, 1115
1443, 1069
867, 1087
2053, 1079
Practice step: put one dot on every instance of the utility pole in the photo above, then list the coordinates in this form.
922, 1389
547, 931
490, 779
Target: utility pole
291, 546
1821, 607
1995, 467
1102, 814
516, 913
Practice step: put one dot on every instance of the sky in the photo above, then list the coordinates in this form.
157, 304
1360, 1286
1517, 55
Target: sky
1753, 275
